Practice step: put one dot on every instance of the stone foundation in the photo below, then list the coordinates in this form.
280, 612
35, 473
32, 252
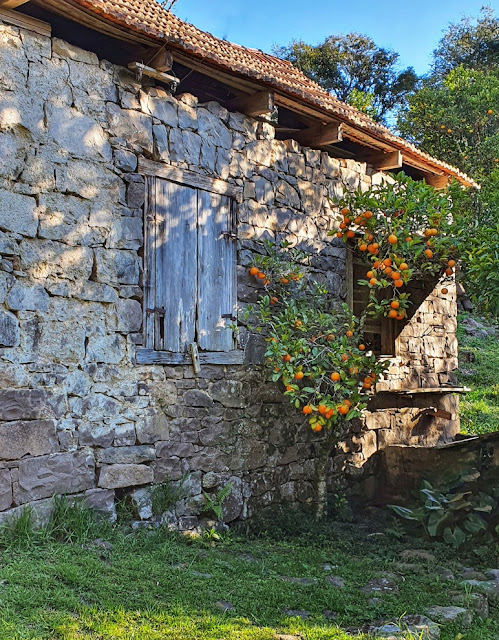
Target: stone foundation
77, 414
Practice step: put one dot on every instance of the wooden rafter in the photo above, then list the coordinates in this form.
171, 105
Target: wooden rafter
256, 104
12, 4
437, 181
383, 161
320, 135
26, 22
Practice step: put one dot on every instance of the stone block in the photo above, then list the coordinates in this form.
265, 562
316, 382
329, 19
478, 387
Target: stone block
287, 195
228, 392
63, 49
27, 297
197, 398
101, 501
5, 489
129, 315
378, 420
153, 428
18, 213
9, 329
21, 438
133, 126
163, 107
117, 476
76, 134
114, 266
212, 127
125, 160
96, 434
125, 455
55, 474
167, 469
161, 148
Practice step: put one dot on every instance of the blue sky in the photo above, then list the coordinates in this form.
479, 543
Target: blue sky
410, 28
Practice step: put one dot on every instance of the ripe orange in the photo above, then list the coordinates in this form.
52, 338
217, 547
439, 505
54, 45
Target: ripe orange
362, 347
317, 427
289, 388
449, 130
330, 337
343, 409
363, 247
428, 253
261, 275
434, 232
307, 409
370, 237
451, 263
392, 239
370, 274
287, 357
322, 409
444, 291
339, 234
344, 357
387, 262
408, 239
284, 281
376, 264
343, 225
350, 234
392, 313
403, 266
443, 126
347, 402
448, 271
335, 376
349, 334
400, 316
299, 375
490, 112
398, 283
345, 212
298, 323
368, 214
388, 271
427, 233
253, 271
394, 304
373, 282
274, 300
329, 414
367, 385
396, 275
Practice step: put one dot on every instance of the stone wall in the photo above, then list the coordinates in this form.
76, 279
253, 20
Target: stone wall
77, 415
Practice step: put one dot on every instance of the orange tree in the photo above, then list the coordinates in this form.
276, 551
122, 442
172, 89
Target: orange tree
405, 231
314, 348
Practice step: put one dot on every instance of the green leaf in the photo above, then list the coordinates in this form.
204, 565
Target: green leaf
435, 522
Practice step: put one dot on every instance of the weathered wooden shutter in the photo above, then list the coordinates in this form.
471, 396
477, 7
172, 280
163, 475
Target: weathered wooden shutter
171, 266
216, 272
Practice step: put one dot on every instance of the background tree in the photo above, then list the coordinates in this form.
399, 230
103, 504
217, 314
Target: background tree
355, 70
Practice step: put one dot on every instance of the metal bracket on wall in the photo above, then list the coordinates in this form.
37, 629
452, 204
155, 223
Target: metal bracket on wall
195, 357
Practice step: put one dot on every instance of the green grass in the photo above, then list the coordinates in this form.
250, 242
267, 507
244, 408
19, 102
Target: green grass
479, 409
146, 588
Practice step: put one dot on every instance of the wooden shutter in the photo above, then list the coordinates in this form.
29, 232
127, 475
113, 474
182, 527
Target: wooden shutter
171, 264
216, 272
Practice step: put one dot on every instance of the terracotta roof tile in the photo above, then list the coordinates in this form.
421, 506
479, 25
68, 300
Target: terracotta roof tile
146, 16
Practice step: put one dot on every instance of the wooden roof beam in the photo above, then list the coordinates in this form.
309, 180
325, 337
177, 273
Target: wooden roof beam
256, 104
12, 4
162, 61
383, 161
438, 181
320, 135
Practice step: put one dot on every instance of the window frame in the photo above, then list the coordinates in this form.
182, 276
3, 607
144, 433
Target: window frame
187, 178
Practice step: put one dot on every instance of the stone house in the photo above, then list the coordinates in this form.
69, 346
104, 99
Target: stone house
140, 159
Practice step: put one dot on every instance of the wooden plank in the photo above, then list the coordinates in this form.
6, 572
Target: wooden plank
176, 266
152, 73
320, 135
383, 161
257, 104
149, 261
216, 273
25, 22
423, 390
162, 61
12, 4
190, 178
150, 356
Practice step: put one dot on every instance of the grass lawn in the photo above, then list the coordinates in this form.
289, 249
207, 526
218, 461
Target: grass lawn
479, 409
154, 584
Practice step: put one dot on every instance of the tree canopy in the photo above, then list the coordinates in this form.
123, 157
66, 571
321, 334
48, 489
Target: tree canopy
355, 70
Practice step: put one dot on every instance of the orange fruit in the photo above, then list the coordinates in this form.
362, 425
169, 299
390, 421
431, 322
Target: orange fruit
434, 232
408, 239
399, 283
376, 264
448, 271
370, 237
370, 274
403, 266
490, 112
444, 291
307, 409
387, 262
394, 304
330, 337
261, 275
322, 409
343, 409
299, 375
329, 414
400, 316
317, 427
427, 233
343, 225
443, 126
350, 234
449, 130
428, 253
373, 282
335, 376
367, 385
274, 300
284, 281
298, 323
392, 313
388, 271
392, 239
339, 234
345, 212
349, 334
368, 214
363, 247
396, 275
253, 271
344, 357
451, 263
362, 347
286, 358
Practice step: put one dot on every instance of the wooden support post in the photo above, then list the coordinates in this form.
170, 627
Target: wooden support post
162, 61
253, 105
12, 4
437, 181
320, 135
383, 161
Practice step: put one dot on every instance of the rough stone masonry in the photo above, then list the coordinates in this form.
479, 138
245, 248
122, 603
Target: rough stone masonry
77, 415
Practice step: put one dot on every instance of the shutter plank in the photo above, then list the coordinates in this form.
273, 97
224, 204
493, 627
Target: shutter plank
176, 266
149, 261
216, 272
